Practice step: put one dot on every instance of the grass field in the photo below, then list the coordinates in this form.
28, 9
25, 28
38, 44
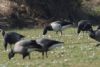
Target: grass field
74, 53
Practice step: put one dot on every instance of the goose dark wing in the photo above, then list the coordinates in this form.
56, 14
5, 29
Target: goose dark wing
12, 37
16, 34
48, 43
30, 44
63, 23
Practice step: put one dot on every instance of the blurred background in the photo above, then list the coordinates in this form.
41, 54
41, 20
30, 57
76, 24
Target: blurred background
37, 13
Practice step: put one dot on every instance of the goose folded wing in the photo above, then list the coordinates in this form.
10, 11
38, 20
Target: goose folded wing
48, 43
29, 44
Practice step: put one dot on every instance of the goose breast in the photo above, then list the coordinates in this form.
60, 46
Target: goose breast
56, 26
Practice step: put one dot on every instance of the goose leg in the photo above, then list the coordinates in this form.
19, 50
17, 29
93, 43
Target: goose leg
29, 55
83, 34
56, 32
5, 45
79, 35
43, 54
46, 54
61, 32
26, 54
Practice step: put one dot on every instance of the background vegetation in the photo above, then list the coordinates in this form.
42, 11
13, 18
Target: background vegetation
23, 13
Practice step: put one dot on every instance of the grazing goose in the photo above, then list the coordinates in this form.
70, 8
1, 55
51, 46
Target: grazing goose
11, 38
23, 47
56, 26
47, 45
84, 25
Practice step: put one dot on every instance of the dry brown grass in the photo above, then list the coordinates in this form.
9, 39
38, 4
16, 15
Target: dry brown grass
7, 7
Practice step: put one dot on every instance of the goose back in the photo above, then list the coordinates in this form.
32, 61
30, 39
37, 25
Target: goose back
12, 37
48, 43
61, 25
46, 28
26, 44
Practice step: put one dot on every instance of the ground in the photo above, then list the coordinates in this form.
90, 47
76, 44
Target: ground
74, 53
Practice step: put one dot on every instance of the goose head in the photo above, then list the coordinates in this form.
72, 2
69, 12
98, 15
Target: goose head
3, 32
47, 28
11, 54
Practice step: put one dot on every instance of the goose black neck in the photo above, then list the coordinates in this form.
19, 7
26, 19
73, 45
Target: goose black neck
46, 29
3, 32
49, 27
11, 54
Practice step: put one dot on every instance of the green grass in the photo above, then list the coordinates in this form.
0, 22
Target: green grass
76, 52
